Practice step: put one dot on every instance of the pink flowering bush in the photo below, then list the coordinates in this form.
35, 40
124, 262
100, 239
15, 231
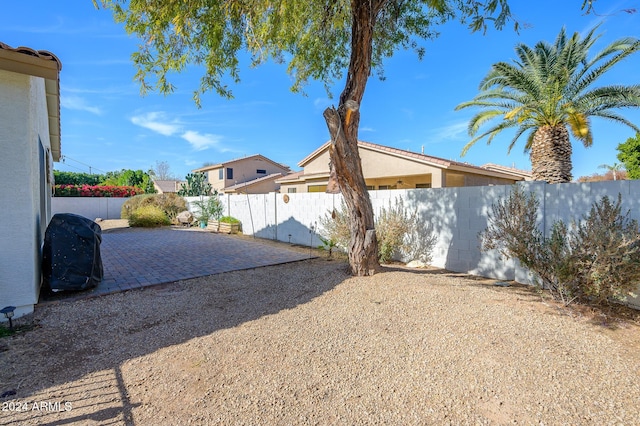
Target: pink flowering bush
96, 191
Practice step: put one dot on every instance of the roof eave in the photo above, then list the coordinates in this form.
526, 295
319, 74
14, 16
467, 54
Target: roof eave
44, 64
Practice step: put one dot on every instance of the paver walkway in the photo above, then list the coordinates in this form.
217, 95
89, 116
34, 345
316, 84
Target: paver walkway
137, 257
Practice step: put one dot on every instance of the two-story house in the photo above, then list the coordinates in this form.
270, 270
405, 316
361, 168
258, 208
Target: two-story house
255, 174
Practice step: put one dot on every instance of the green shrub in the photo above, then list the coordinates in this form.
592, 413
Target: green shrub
170, 204
229, 219
148, 216
211, 208
595, 260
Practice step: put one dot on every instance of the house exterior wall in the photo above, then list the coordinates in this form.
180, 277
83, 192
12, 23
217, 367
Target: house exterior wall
243, 170
379, 165
456, 179
24, 137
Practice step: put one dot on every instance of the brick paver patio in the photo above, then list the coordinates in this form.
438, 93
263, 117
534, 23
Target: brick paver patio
137, 257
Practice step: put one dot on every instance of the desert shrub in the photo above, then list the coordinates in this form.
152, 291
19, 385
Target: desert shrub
334, 229
603, 254
513, 231
134, 203
400, 233
595, 260
170, 204
148, 216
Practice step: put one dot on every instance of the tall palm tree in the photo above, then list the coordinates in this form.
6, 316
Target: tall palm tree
548, 91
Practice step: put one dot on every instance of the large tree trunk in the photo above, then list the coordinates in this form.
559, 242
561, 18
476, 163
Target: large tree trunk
343, 126
551, 155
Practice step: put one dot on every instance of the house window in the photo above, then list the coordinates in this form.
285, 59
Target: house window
382, 187
423, 185
229, 173
261, 171
371, 187
220, 174
317, 188
292, 190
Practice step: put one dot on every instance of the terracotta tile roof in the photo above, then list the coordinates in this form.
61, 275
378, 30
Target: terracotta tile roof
40, 54
524, 173
301, 176
44, 64
241, 185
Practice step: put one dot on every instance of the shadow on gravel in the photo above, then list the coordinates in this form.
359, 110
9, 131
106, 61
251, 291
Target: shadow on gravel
76, 344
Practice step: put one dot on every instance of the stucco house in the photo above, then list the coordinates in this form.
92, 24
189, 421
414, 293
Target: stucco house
391, 168
30, 142
255, 174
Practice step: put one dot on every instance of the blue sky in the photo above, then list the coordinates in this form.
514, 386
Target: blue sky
107, 125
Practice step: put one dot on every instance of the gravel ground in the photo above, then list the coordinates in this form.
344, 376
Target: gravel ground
305, 343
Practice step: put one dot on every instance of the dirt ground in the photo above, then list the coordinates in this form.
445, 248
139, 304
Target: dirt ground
305, 343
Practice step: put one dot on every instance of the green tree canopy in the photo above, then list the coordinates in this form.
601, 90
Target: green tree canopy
128, 177
629, 154
318, 40
76, 178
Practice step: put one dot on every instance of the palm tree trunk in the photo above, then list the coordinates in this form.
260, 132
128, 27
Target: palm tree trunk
551, 155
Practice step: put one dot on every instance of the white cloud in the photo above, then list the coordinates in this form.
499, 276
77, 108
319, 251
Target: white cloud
79, 104
454, 131
322, 103
201, 142
156, 122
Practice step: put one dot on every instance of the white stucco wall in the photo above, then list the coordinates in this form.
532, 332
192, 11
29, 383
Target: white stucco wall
23, 126
89, 207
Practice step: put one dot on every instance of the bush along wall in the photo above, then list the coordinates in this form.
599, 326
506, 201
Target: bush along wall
96, 191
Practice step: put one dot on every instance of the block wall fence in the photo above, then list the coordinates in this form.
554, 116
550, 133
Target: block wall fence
89, 207
457, 215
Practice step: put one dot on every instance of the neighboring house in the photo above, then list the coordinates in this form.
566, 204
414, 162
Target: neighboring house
30, 142
255, 174
167, 186
390, 168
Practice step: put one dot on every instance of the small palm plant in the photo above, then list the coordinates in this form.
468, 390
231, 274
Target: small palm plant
614, 168
548, 92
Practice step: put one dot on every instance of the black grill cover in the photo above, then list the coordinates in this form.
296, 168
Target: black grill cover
71, 253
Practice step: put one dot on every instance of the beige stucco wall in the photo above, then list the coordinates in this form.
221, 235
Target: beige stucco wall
23, 124
243, 170
457, 178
